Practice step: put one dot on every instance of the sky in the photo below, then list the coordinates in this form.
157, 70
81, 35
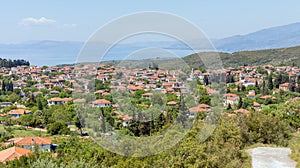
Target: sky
77, 20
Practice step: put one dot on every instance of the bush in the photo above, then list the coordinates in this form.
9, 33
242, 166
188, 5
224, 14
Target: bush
58, 127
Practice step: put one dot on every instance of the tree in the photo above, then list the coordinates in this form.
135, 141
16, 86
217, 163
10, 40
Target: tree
278, 80
264, 88
39, 104
229, 78
240, 103
205, 80
26, 120
78, 123
229, 107
243, 88
292, 86
270, 82
58, 127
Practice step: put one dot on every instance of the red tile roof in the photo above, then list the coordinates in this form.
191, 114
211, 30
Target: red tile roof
18, 111
12, 153
28, 141
101, 101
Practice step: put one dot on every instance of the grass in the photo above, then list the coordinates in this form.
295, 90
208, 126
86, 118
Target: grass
17, 131
295, 146
28, 133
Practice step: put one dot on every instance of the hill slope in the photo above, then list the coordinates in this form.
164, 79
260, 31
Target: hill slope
282, 56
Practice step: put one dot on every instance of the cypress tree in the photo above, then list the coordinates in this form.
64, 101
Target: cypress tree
270, 82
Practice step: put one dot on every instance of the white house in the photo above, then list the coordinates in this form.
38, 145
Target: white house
101, 103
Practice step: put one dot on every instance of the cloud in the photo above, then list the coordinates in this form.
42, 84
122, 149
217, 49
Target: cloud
36, 22
70, 25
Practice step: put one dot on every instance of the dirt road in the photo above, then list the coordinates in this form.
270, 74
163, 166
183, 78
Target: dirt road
267, 157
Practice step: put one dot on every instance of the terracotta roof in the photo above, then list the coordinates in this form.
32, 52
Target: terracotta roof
124, 118
18, 111
101, 101
211, 91
57, 99
99, 91
284, 85
255, 104
79, 101
12, 153
28, 141
172, 103
147, 94
201, 108
244, 111
68, 99
38, 92
54, 92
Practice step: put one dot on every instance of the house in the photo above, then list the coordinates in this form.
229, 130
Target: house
257, 106
56, 101
242, 111
133, 89
30, 142
126, 119
13, 153
200, 108
54, 92
172, 103
101, 103
147, 95
18, 113
6, 104
231, 98
267, 97
284, 86
211, 91
251, 94
37, 93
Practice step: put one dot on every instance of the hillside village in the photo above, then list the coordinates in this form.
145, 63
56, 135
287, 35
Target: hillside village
46, 98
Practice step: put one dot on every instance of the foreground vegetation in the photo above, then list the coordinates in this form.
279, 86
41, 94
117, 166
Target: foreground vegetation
225, 148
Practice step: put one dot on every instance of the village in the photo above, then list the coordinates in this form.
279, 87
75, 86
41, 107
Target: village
29, 92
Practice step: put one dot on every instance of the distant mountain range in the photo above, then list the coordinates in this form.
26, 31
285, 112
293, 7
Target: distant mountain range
64, 52
275, 37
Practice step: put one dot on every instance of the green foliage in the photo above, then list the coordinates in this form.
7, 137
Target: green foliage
8, 63
58, 127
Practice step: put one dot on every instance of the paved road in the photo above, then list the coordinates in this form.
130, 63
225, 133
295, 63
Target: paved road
266, 157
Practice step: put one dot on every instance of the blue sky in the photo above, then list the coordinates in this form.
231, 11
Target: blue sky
76, 20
